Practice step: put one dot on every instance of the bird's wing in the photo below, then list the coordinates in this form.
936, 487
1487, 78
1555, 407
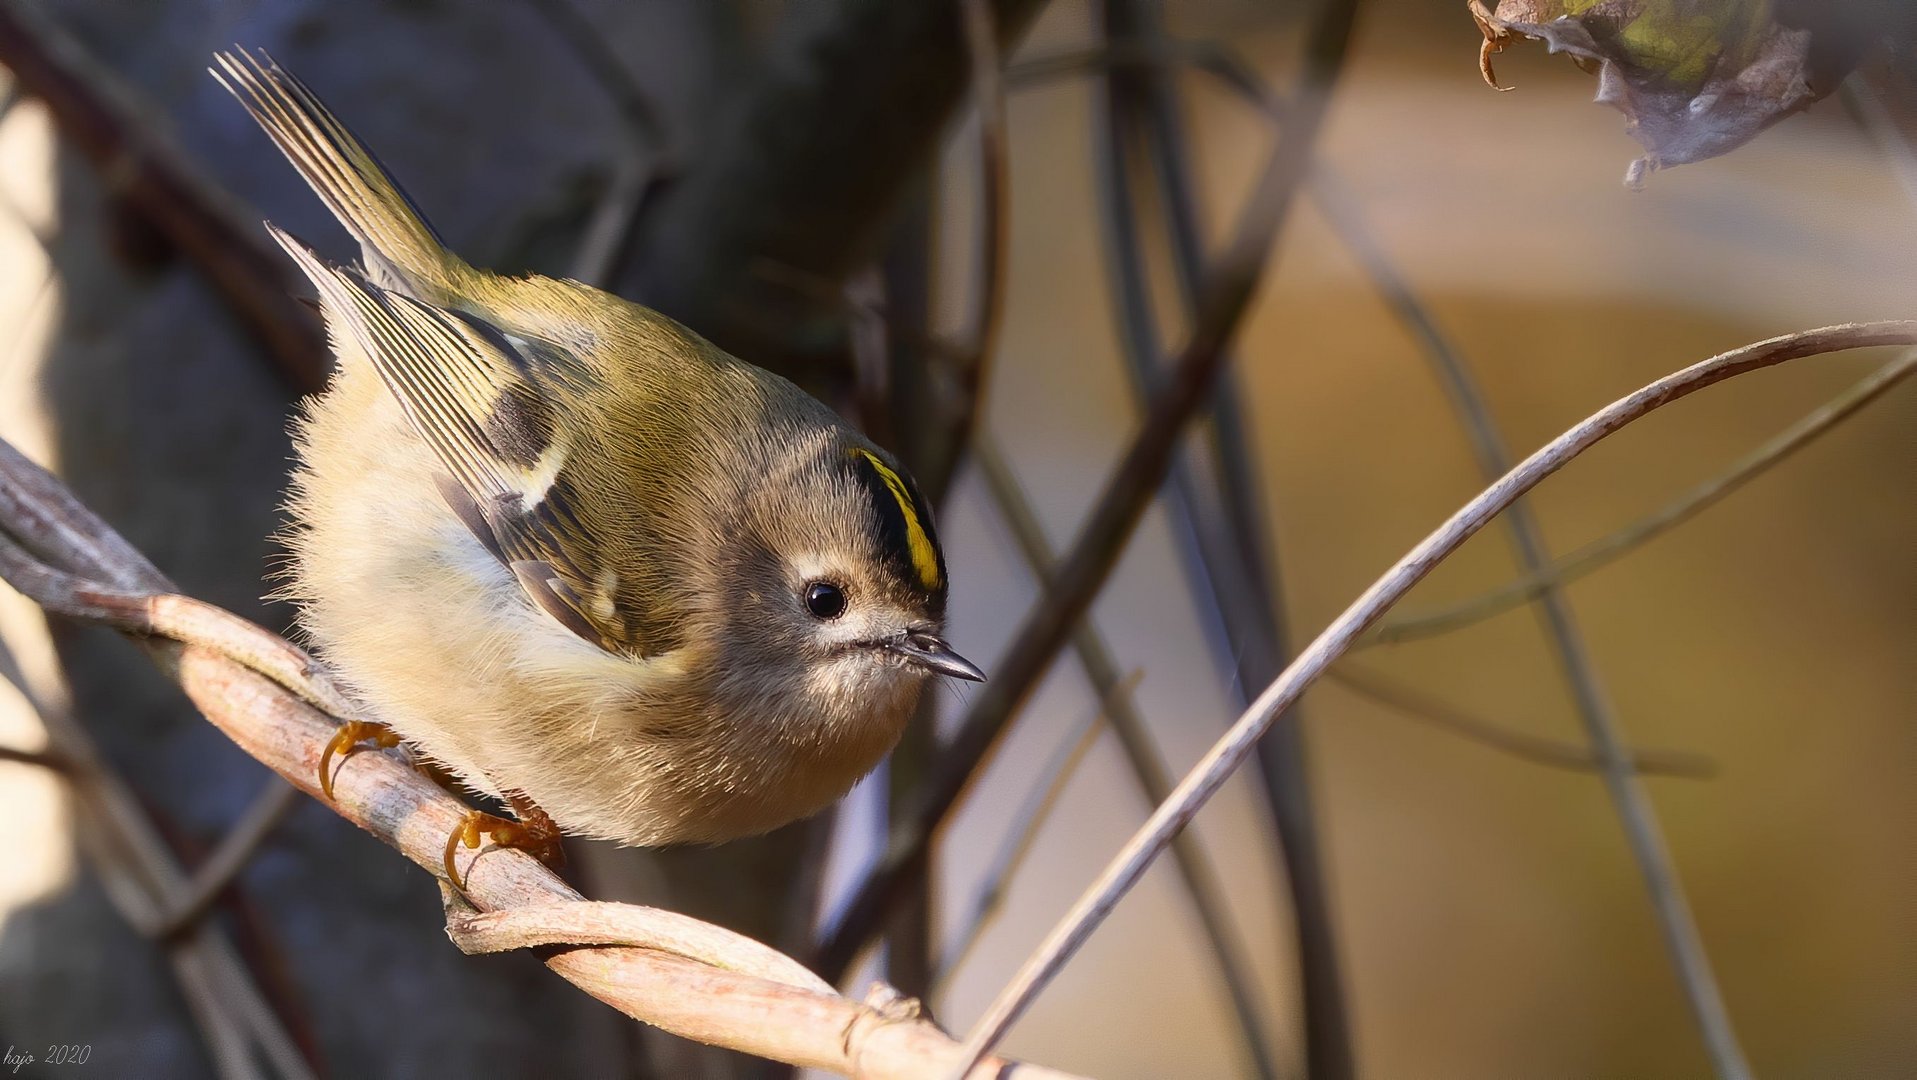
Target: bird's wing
399, 247
472, 392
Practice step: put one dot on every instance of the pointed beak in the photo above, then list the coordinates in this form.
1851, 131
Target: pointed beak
933, 654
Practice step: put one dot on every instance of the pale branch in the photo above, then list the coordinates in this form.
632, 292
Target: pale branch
784, 1017
1414, 625
590, 922
1536, 749
1211, 772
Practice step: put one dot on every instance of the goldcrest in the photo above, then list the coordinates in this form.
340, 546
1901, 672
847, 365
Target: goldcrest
572, 551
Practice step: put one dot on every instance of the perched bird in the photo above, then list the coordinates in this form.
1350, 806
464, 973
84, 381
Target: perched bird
591, 564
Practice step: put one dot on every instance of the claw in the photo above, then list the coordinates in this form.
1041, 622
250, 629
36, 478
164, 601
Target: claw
347, 739
534, 833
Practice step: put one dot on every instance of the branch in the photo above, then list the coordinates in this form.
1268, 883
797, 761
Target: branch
1211, 772
784, 1016
1414, 625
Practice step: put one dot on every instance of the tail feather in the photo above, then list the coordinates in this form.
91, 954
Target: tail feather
401, 250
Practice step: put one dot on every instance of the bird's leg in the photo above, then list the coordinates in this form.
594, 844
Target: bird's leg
534, 833
349, 737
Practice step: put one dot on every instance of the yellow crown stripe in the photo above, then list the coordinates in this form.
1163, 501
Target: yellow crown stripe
925, 559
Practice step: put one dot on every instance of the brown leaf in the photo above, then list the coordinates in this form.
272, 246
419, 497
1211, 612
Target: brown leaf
1693, 78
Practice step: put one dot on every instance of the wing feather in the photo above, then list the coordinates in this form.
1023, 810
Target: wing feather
477, 401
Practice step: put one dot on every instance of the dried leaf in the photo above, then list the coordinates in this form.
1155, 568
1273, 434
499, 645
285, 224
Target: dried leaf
1693, 78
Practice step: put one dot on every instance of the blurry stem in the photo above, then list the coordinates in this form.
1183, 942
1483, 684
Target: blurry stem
1215, 495
1414, 625
988, 92
1027, 822
1115, 512
46, 759
1533, 748
1210, 773
817, 145
1633, 804
1195, 870
610, 231
596, 55
235, 850
1896, 140
915, 422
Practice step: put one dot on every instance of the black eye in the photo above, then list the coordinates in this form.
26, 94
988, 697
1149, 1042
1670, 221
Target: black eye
825, 600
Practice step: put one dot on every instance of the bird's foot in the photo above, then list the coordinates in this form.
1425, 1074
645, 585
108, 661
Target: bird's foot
534, 832
351, 735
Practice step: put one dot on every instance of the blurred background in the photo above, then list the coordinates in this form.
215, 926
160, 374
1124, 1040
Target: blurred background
747, 165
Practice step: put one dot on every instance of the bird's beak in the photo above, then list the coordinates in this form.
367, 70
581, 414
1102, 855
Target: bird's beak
932, 653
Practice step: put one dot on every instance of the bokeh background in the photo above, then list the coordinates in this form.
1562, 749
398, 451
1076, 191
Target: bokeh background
1489, 919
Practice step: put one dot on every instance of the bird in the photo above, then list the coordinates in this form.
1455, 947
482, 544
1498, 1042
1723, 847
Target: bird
576, 555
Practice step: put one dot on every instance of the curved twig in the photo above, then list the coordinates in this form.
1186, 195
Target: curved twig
1229, 752
1414, 625
591, 922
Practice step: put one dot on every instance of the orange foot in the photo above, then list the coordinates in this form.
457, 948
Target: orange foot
347, 739
534, 833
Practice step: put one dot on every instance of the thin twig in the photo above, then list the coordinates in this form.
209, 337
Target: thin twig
604, 65
1537, 749
610, 231
1028, 821
1214, 492
995, 182
1559, 622
393, 801
1608, 549
1117, 510
1211, 772
242, 841
1142, 758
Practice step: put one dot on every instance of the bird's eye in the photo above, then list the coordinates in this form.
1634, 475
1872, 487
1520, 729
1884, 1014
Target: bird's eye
825, 600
